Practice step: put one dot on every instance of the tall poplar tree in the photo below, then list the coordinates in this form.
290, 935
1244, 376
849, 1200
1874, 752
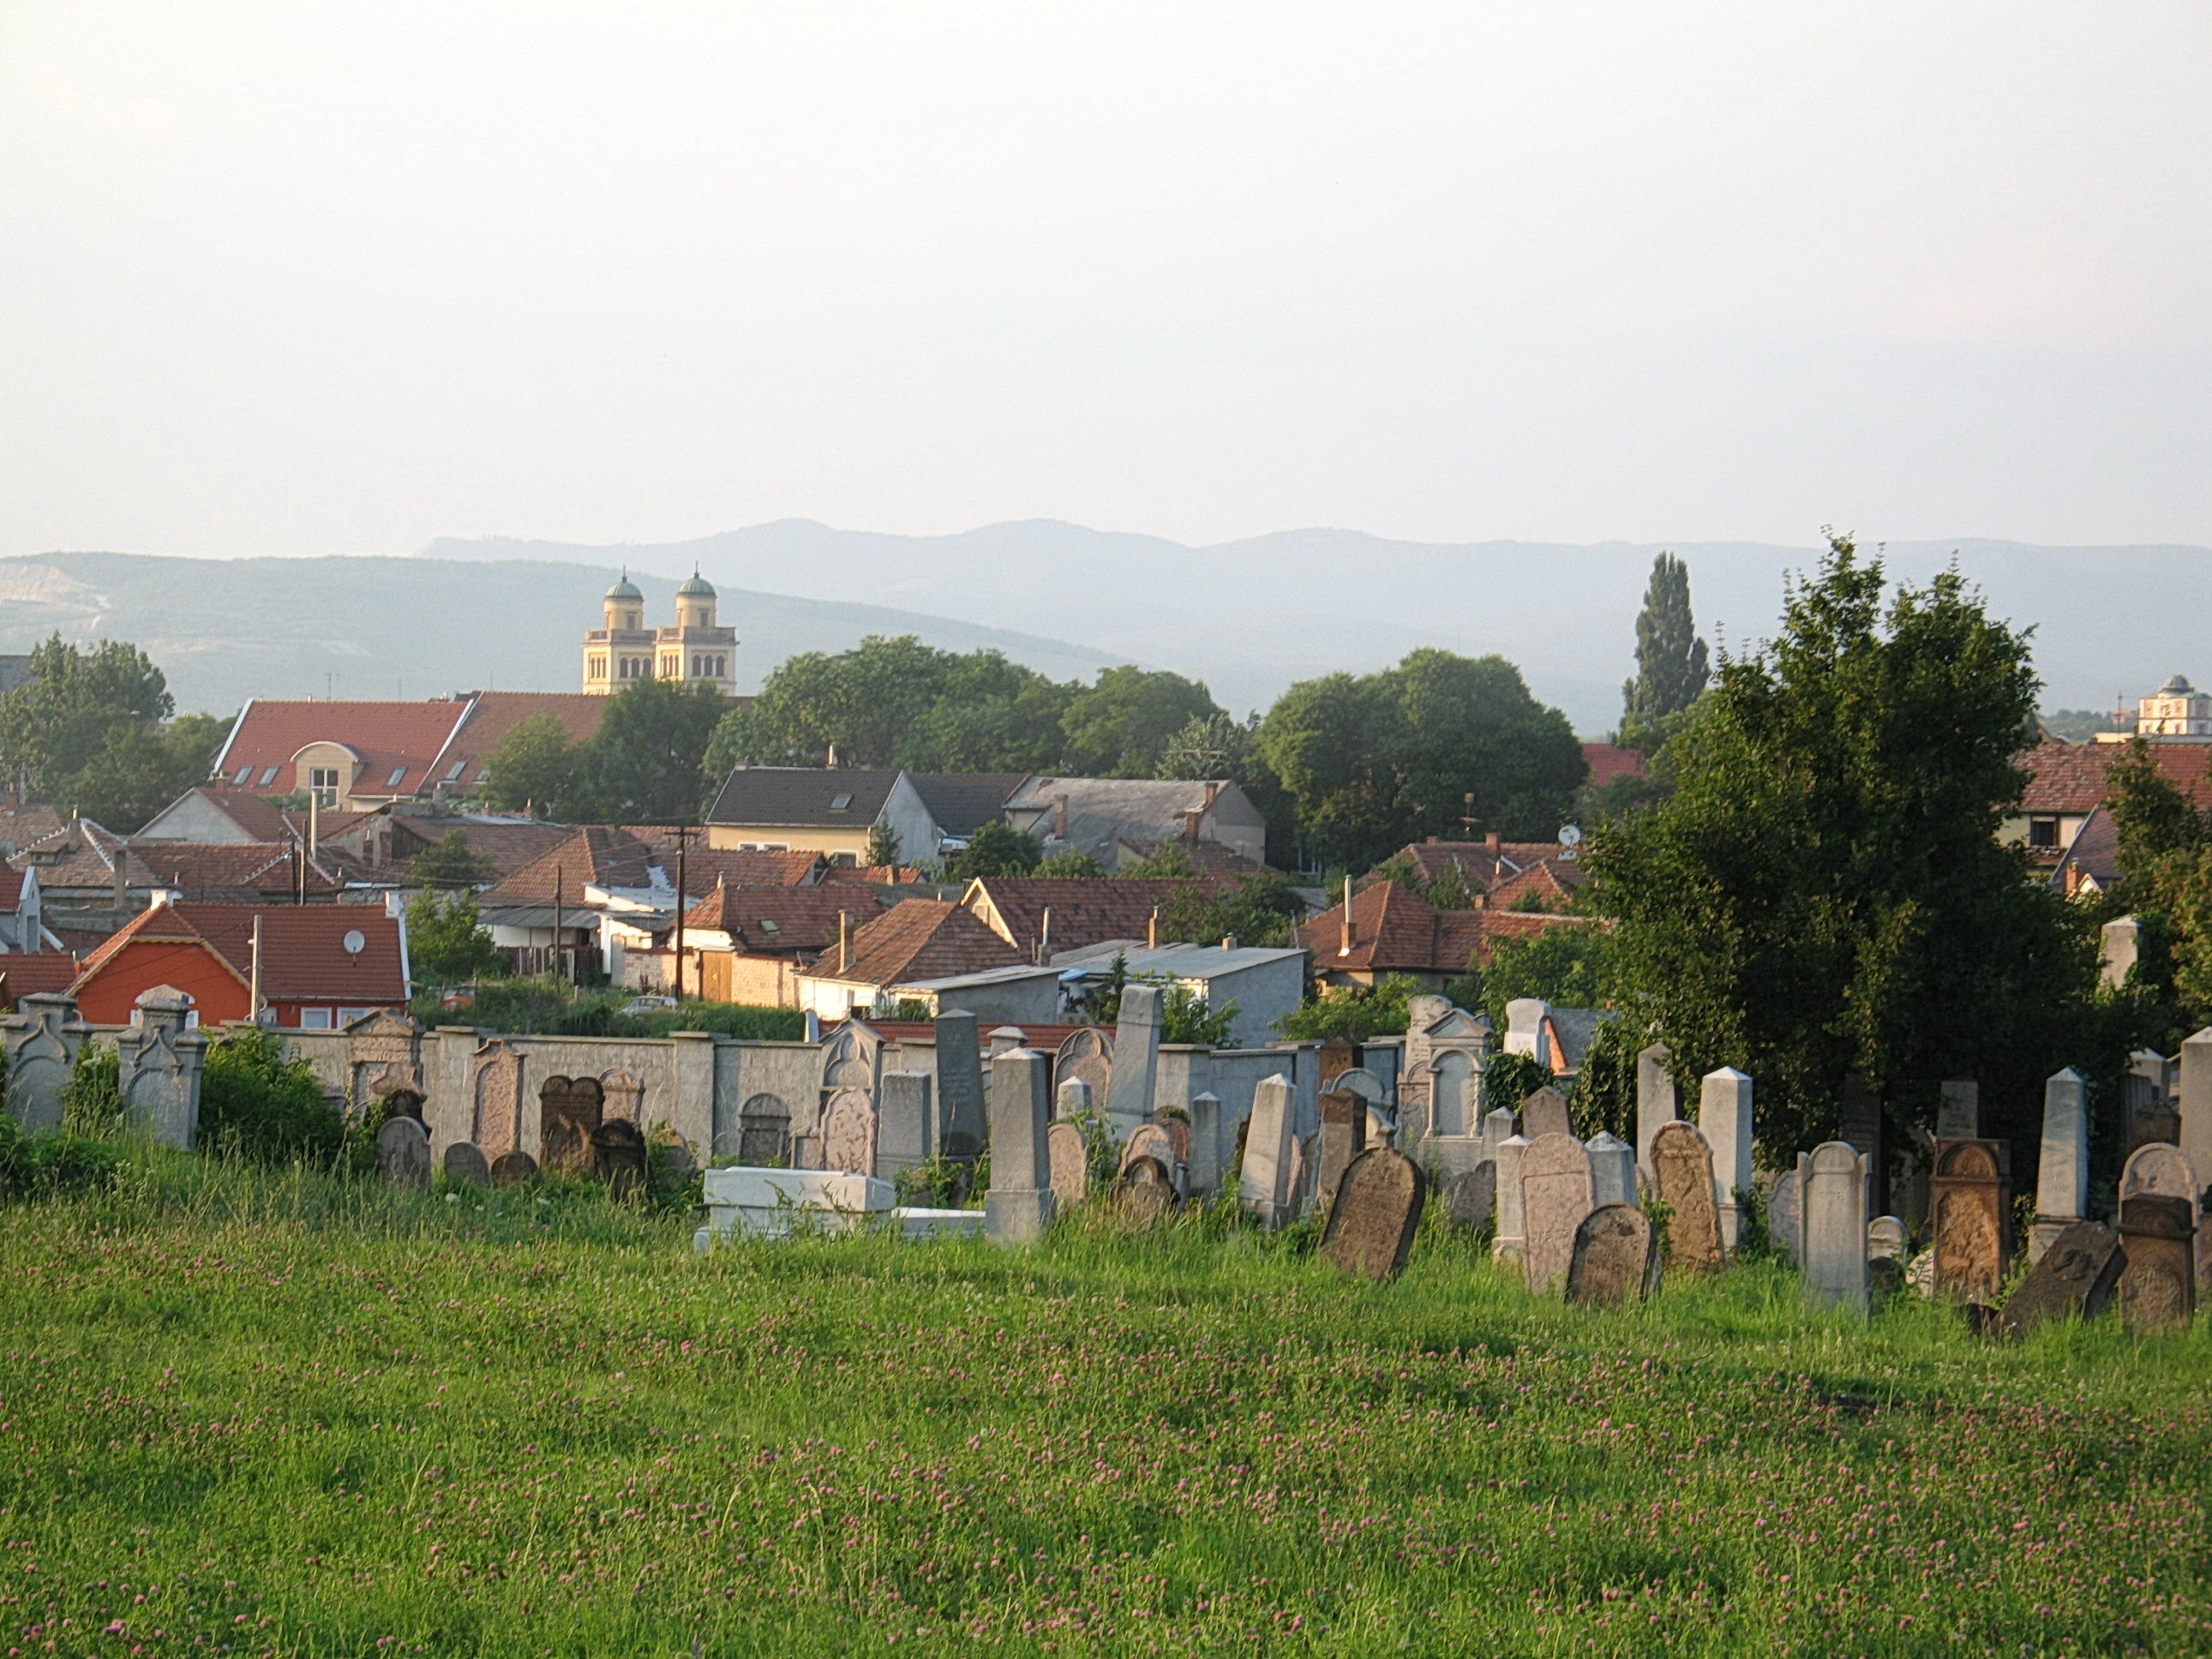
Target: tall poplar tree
1671, 663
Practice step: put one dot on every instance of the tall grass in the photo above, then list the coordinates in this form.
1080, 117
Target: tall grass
276, 1411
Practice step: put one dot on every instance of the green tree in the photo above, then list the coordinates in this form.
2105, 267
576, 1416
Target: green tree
1259, 910
536, 765
141, 768
1671, 666
447, 941
1069, 864
88, 732
995, 849
883, 849
1120, 726
1825, 892
1573, 966
1207, 746
647, 763
1354, 1013
2165, 880
450, 864
256, 1105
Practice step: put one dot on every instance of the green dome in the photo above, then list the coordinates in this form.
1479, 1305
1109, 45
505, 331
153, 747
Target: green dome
697, 587
625, 589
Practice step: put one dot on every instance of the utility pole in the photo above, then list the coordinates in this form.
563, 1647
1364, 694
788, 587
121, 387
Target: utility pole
557, 874
683, 833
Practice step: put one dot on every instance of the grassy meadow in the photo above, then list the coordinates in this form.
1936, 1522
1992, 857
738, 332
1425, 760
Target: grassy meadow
288, 1414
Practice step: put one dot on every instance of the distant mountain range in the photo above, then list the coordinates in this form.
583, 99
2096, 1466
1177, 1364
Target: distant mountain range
1247, 617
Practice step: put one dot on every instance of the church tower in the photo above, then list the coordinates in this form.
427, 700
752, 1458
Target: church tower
695, 651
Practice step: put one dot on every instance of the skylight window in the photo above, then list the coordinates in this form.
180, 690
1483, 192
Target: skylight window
453, 772
268, 776
840, 803
244, 773
398, 772
769, 927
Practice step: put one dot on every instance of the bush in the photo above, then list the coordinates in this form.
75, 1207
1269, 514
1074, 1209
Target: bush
256, 1105
36, 1165
1509, 1080
1354, 1013
92, 1100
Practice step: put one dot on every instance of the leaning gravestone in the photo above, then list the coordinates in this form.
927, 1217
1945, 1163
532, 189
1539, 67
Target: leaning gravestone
1378, 1205
514, 1169
1785, 1217
1614, 1260
2158, 1286
1545, 1113
618, 1158
403, 1154
1682, 1170
1555, 1196
1268, 1175
1471, 1198
465, 1165
1070, 1159
1968, 1201
1145, 1191
2073, 1279
1343, 1138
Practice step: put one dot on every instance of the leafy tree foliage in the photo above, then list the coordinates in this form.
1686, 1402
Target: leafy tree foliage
995, 849
1069, 864
256, 1105
646, 764
1671, 662
1574, 966
140, 769
1259, 910
1375, 761
1354, 1013
1121, 727
450, 864
1825, 892
882, 849
92, 730
536, 765
2165, 880
447, 941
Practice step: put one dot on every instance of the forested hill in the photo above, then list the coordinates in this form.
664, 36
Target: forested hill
226, 630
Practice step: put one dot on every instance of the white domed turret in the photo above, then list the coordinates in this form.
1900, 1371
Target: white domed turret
694, 602
625, 605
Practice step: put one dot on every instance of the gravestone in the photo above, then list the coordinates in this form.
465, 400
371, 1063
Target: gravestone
1087, 1058
514, 1169
1654, 1100
806, 1151
2062, 1171
1785, 1216
2158, 1285
848, 1134
466, 1165
1555, 1196
1724, 1118
403, 1154
1833, 1178
1889, 1248
1337, 1057
1378, 1205
1176, 1128
2194, 1102
906, 1128
1305, 1156
1343, 1138
1004, 1040
1614, 1260
1863, 1129
1136, 1059
1470, 1197
1959, 1113
1512, 1238
1201, 1144
618, 1158
1359, 1080
569, 1109
959, 1084
2159, 1170
159, 1057
1613, 1169
42, 1043
1967, 1201
497, 1112
1072, 1099
1453, 1083
764, 1132
1145, 1191
1266, 1184
1018, 1207
1545, 1113
622, 1095
1682, 1170
1069, 1160
2073, 1279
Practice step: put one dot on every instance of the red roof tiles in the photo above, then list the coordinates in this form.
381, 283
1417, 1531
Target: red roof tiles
1086, 911
1395, 931
303, 954
782, 920
397, 744
921, 939
36, 973
2069, 778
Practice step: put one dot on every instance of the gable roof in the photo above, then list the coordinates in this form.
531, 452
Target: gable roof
11, 888
1395, 931
84, 856
1085, 910
705, 867
1100, 811
595, 855
1486, 866
235, 870
782, 920
961, 803
921, 939
492, 714
773, 797
303, 954
32, 820
255, 817
398, 743
2069, 778
36, 973
1609, 761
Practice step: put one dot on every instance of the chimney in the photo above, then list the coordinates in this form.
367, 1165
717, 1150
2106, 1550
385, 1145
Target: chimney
1152, 930
844, 940
1044, 937
832, 762
1345, 948
1494, 843
1059, 817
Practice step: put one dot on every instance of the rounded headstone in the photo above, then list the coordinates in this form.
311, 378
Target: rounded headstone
514, 1169
1471, 1196
466, 1165
403, 1154
1151, 1140
1069, 1159
1378, 1205
1615, 1262
1682, 1170
618, 1158
1145, 1191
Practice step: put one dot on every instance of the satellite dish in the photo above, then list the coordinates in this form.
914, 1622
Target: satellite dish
355, 941
1571, 836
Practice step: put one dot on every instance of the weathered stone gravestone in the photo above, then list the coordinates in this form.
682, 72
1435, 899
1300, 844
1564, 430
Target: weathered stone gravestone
764, 1132
2159, 1170
1654, 1100
1967, 1201
1176, 1128
2158, 1286
1018, 1207
1682, 1170
1958, 1115
1154, 1141
1337, 1057
1614, 1258
496, 1112
623, 1095
1087, 1058
1305, 1156
1785, 1216
1470, 1197
2194, 1102
1069, 1159
1144, 1190
1343, 1138
1555, 1196
2062, 1171
1613, 1169
906, 1124
569, 1109
42, 1043
514, 1169
1266, 1184
1378, 1205
959, 1084
1512, 1239
618, 1158
2073, 1279
1889, 1248
1545, 1113
403, 1154
1724, 1118
1135, 1073
848, 1134
158, 1062
1833, 1178
1072, 1099
466, 1165
1200, 1146
1454, 1083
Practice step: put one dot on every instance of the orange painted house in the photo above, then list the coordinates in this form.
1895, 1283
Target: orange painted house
322, 965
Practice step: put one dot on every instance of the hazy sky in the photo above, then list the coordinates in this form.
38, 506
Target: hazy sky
298, 277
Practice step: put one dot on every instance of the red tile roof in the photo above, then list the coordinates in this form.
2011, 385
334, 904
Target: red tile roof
921, 939
33, 821
1485, 866
703, 867
1395, 931
234, 871
38, 973
493, 715
782, 920
606, 858
404, 739
303, 954
11, 889
1086, 911
261, 819
1609, 761
84, 857
2069, 778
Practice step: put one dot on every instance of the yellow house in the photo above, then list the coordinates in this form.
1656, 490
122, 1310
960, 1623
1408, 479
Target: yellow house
816, 809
